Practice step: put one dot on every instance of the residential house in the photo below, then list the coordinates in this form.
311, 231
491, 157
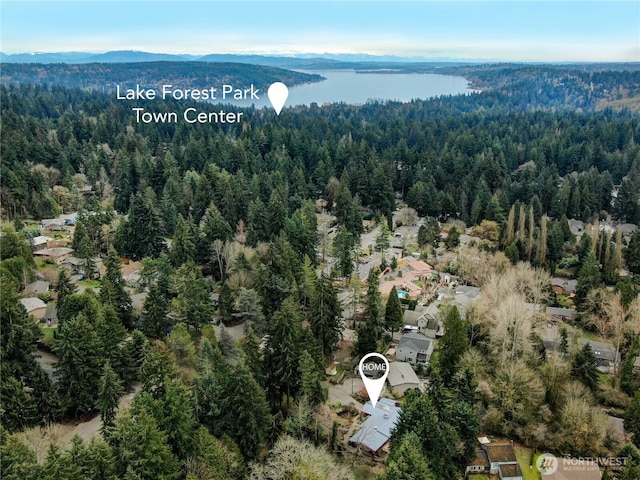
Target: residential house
55, 255
34, 306
375, 432
605, 355
40, 242
59, 224
51, 314
36, 288
414, 348
564, 286
555, 314
502, 460
401, 377
77, 265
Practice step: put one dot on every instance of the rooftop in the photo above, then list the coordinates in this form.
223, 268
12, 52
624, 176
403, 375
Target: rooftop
417, 341
376, 430
500, 452
401, 372
32, 303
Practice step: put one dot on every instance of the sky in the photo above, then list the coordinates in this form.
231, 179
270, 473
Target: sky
513, 30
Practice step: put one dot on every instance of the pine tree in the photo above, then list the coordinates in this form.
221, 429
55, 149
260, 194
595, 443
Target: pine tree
407, 461
453, 344
453, 238
79, 366
109, 392
344, 245
370, 330
155, 320
253, 358
310, 378
326, 315
193, 296
393, 313
140, 235
588, 278
141, 448
281, 354
585, 367
183, 247
64, 286
383, 238
112, 290
225, 303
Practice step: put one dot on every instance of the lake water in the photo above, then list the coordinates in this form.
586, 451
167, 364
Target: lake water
358, 88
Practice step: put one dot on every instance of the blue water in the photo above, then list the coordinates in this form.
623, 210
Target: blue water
350, 87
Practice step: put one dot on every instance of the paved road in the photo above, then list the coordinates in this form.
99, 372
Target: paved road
342, 393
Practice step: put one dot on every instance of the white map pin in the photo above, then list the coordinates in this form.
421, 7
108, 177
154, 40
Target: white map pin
374, 386
278, 93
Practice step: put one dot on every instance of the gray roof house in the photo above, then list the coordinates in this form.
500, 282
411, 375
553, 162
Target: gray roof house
414, 348
376, 429
605, 354
402, 377
36, 288
558, 313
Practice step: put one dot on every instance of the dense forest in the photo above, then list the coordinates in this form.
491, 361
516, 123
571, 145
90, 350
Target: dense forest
104, 77
233, 210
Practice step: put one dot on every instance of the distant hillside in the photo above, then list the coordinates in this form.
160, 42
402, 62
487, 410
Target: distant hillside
105, 76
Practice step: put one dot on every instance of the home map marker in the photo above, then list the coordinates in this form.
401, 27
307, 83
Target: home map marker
377, 368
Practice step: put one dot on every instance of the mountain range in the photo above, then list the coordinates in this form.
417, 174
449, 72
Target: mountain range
307, 60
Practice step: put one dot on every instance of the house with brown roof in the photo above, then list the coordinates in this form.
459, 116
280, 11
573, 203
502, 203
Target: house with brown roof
503, 461
34, 307
56, 255
564, 286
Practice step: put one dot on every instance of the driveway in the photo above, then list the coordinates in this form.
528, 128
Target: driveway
342, 393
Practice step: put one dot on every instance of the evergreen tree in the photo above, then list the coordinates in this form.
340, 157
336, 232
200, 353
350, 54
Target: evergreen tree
79, 366
17, 461
253, 358
407, 461
141, 448
344, 245
282, 352
155, 319
393, 313
112, 290
109, 392
370, 330
193, 296
632, 253
632, 418
585, 367
140, 235
453, 238
225, 303
383, 238
183, 247
64, 286
326, 315
588, 278
310, 379
453, 344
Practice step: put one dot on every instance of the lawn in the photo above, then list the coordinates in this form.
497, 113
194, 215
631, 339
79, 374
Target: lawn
524, 455
89, 283
47, 333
